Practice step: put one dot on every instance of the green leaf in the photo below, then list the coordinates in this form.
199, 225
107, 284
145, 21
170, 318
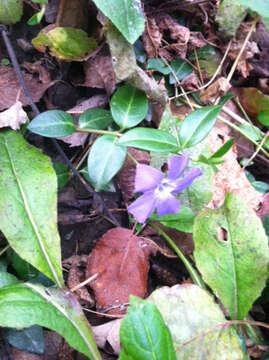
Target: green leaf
263, 118
230, 15
126, 15
10, 11
231, 252
265, 222
251, 131
28, 204
196, 126
36, 18
23, 269
223, 149
105, 160
28, 304
30, 339
158, 65
259, 6
183, 221
129, 106
260, 186
189, 312
143, 333
97, 119
7, 279
181, 69
149, 139
62, 172
52, 123
66, 43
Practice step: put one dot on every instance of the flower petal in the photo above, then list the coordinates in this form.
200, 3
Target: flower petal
168, 206
187, 180
143, 207
177, 165
147, 178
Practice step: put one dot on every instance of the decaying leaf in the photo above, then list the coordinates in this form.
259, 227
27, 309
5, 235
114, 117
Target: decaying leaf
109, 332
152, 38
253, 100
121, 261
13, 117
215, 91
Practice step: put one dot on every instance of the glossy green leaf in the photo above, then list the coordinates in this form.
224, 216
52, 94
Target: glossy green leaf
223, 149
28, 204
126, 15
7, 279
52, 123
30, 339
105, 160
197, 125
10, 11
259, 6
158, 65
149, 139
263, 118
231, 252
23, 269
251, 131
63, 174
129, 106
189, 312
97, 119
143, 333
183, 221
28, 304
66, 43
181, 69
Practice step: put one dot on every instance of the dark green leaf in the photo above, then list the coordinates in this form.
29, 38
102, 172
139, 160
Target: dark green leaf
180, 70
30, 339
223, 149
158, 65
97, 119
129, 106
265, 222
105, 160
23, 269
140, 54
260, 186
231, 253
28, 304
263, 117
62, 172
226, 98
144, 335
52, 123
183, 221
150, 139
196, 126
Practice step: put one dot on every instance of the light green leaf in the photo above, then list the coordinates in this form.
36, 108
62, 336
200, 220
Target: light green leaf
149, 139
189, 312
143, 333
196, 126
28, 204
52, 123
181, 69
29, 304
106, 158
7, 279
183, 221
37, 17
230, 15
126, 15
129, 106
259, 6
97, 119
263, 117
66, 43
231, 252
10, 11
251, 131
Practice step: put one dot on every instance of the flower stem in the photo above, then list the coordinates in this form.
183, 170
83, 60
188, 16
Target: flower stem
193, 273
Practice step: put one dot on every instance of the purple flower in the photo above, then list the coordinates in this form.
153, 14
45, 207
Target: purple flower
158, 190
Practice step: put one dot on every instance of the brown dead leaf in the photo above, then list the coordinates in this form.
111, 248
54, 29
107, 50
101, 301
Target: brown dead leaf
38, 68
23, 355
196, 40
13, 117
152, 38
109, 332
10, 88
73, 14
190, 82
252, 100
215, 91
121, 261
127, 173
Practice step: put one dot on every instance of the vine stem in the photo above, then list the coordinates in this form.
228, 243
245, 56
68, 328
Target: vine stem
193, 273
99, 132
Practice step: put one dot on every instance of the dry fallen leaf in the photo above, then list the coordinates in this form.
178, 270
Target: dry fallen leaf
109, 332
121, 261
215, 91
13, 117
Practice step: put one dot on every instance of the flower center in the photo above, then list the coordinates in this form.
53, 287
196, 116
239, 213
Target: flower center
164, 189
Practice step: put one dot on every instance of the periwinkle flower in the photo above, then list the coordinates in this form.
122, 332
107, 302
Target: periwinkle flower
158, 190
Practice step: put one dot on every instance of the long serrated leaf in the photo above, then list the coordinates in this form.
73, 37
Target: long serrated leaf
28, 204
231, 252
149, 139
129, 106
52, 123
144, 334
28, 304
126, 15
196, 126
105, 160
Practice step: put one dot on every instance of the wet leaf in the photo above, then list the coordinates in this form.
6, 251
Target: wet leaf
105, 160
189, 312
126, 15
144, 334
10, 11
231, 252
129, 106
28, 206
124, 274
28, 304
